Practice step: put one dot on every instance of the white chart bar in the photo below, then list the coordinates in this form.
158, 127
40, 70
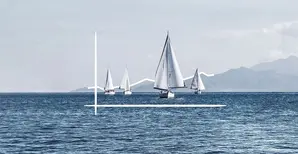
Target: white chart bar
157, 105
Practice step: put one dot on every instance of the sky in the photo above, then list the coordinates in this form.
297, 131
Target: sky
48, 46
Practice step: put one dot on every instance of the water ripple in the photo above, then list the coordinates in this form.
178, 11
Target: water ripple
59, 123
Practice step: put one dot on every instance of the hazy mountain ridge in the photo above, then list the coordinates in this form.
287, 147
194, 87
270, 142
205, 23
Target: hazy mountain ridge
280, 75
282, 66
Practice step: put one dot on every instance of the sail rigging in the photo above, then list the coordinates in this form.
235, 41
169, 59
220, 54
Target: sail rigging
168, 74
197, 82
109, 82
125, 83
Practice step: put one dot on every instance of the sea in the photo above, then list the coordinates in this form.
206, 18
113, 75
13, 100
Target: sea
60, 123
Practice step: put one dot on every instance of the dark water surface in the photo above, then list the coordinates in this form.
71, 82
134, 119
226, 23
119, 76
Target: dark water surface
59, 123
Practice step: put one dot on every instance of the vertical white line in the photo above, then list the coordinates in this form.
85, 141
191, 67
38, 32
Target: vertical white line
95, 73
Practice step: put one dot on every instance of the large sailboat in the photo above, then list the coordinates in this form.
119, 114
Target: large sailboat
109, 87
125, 84
168, 75
197, 83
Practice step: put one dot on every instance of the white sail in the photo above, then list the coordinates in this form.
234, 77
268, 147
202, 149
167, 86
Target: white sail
197, 82
109, 82
201, 84
174, 73
168, 74
194, 81
161, 80
125, 84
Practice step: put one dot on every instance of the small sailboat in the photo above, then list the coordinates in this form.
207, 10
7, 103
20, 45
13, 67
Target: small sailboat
109, 88
125, 84
168, 75
197, 83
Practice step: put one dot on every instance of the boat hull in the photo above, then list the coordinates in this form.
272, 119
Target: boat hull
166, 94
127, 92
198, 92
109, 92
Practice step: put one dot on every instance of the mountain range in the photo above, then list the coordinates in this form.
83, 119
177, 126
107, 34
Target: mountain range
276, 76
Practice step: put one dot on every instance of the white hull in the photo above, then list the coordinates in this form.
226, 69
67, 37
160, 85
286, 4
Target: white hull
198, 92
166, 94
127, 92
109, 92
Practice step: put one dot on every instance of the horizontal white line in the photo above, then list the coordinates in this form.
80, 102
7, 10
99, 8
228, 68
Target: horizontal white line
97, 87
143, 80
157, 105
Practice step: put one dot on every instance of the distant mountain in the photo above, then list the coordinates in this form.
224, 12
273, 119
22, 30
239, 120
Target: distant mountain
245, 79
84, 89
282, 66
144, 87
279, 75
241, 80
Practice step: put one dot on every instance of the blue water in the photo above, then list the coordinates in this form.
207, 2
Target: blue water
59, 123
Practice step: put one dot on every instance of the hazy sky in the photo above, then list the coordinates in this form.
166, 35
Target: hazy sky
48, 45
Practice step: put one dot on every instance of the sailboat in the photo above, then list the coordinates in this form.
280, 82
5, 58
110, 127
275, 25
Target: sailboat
125, 84
168, 75
109, 88
197, 83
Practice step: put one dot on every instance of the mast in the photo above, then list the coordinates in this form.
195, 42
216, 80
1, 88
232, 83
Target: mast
175, 75
194, 82
197, 83
168, 74
167, 60
161, 75
125, 83
109, 81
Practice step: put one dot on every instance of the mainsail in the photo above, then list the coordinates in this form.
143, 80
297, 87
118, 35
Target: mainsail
109, 82
125, 84
197, 82
168, 74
